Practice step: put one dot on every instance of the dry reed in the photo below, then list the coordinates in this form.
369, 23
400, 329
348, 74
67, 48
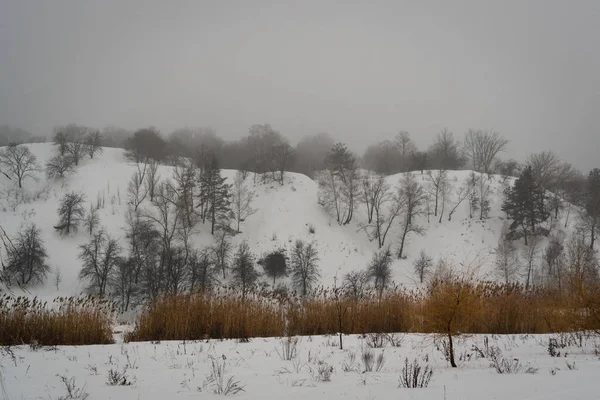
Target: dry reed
492, 308
67, 321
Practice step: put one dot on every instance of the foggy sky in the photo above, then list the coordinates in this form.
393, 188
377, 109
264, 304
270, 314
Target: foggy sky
359, 70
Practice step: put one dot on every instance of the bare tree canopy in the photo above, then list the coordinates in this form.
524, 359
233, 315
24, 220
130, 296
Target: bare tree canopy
19, 162
482, 147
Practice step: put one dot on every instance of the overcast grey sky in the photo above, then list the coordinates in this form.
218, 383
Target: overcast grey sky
360, 70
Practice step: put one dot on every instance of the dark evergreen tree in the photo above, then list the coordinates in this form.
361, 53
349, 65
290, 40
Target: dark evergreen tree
275, 264
522, 206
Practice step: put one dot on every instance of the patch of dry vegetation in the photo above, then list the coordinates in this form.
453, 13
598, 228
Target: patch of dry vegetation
67, 321
447, 307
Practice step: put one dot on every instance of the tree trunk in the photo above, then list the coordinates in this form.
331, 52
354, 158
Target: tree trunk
402, 240
451, 347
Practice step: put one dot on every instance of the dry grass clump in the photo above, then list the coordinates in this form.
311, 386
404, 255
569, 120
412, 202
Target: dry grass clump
220, 315
67, 321
465, 307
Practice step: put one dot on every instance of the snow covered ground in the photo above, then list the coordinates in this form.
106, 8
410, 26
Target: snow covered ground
284, 214
178, 370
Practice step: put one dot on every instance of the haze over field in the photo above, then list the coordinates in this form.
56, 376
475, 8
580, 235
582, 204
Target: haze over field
360, 71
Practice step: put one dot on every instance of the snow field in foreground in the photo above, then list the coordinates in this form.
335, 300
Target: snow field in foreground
178, 370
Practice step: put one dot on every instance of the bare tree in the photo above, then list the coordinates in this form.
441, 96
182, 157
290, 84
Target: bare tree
414, 199
472, 185
340, 183
554, 258
530, 255
445, 196
482, 148
372, 187
93, 143
26, 262
221, 251
152, 179
283, 156
462, 193
143, 242
122, 283
484, 197
60, 140
202, 271
136, 190
59, 166
355, 283
590, 215
19, 162
243, 272
70, 212
185, 178
166, 216
176, 270
423, 265
406, 148
305, 271
582, 265
91, 220
100, 257
241, 199
445, 152
379, 270
507, 261
437, 182
386, 206
76, 147
57, 277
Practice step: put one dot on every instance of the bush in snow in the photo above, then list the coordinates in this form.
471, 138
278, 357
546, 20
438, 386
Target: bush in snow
26, 262
379, 270
275, 264
423, 265
60, 166
305, 271
70, 212
216, 381
415, 375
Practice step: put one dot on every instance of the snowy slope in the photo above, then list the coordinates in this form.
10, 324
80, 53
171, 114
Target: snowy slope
284, 214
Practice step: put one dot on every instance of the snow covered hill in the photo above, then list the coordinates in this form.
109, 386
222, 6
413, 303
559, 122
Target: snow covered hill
284, 214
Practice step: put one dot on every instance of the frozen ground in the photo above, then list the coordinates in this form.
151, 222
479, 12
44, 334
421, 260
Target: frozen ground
284, 214
177, 370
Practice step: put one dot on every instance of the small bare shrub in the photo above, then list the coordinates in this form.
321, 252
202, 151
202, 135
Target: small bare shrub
571, 366
554, 345
380, 362
368, 359
73, 392
117, 378
376, 340
289, 349
503, 365
349, 364
311, 229
216, 381
414, 375
323, 372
